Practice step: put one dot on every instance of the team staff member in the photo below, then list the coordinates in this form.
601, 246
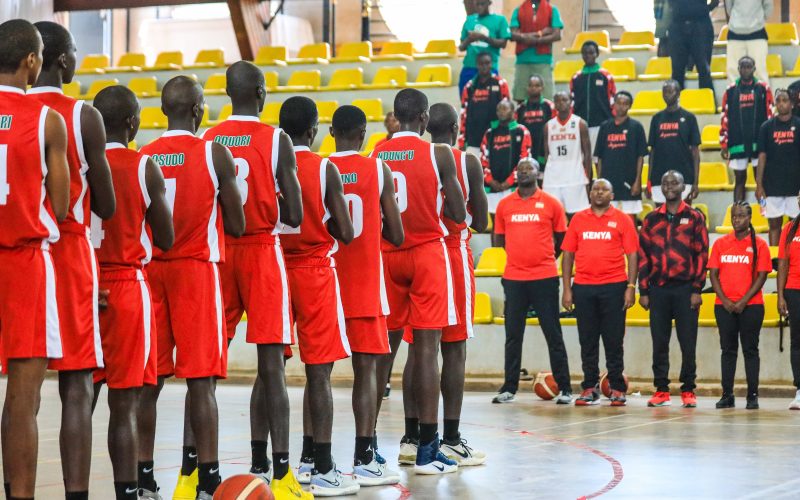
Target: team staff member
789, 294
535, 26
598, 241
673, 139
673, 251
483, 32
592, 89
620, 150
691, 34
534, 113
739, 265
530, 224
479, 102
778, 179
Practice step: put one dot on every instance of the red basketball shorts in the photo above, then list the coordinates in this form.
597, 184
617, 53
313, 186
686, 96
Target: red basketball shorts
187, 301
128, 331
78, 313
368, 335
318, 315
29, 325
419, 285
254, 281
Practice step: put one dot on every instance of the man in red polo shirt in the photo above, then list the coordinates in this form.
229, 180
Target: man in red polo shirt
530, 224
597, 242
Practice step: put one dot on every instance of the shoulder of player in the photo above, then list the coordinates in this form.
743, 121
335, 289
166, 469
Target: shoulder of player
607, 74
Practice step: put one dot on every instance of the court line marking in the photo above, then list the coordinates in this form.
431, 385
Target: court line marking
763, 492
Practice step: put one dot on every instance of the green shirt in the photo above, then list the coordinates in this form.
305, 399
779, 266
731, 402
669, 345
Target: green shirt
529, 55
491, 25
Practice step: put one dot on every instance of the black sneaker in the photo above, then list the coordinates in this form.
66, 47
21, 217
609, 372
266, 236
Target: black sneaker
524, 375
387, 391
752, 403
726, 401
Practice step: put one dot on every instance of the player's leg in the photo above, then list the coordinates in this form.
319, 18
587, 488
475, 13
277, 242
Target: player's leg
204, 418
306, 466
686, 320
661, 315
385, 363
588, 314
76, 389
275, 406
739, 166
410, 440
543, 296
122, 440
189, 457
259, 431
320, 411
612, 307
146, 416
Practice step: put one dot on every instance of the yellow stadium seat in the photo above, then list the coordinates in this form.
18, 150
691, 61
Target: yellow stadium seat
271, 113
325, 109
565, 69
98, 85
171, 60
271, 80
271, 55
129, 62
722, 38
645, 173
709, 138
719, 68
153, 117
209, 58
144, 86
345, 79
436, 49
224, 113
353, 52
600, 37
622, 69
372, 141
773, 254
302, 80
714, 177
636, 40
492, 262
72, 89
750, 181
796, 70
93, 64
703, 208
782, 33
373, 108
328, 146
434, 75
132, 145
395, 51
646, 209
759, 221
707, 317
483, 309
637, 315
315, 53
215, 84
647, 102
771, 316
389, 77
698, 101
774, 65
658, 68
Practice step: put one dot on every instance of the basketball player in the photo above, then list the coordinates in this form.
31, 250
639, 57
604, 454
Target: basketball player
254, 274
314, 289
420, 277
369, 191
33, 143
73, 256
200, 178
569, 157
124, 247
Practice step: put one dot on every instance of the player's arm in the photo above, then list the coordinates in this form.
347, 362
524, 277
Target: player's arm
229, 196
586, 149
392, 222
158, 215
57, 180
291, 198
103, 201
455, 208
477, 195
340, 226
558, 239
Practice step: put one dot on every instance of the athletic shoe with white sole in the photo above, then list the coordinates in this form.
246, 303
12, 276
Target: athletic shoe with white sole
432, 461
795, 404
374, 474
564, 398
408, 451
149, 495
462, 454
202, 495
264, 474
332, 484
504, 397
304, 471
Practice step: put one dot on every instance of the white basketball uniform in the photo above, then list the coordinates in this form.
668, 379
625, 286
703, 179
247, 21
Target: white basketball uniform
564, 176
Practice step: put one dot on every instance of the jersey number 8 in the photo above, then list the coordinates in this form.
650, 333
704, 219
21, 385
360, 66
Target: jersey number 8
5, 187
400, 191
242, 171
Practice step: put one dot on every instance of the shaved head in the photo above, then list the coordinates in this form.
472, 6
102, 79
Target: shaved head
443, 117
57, 41
243, 80
606, 182
180, 95
116, 104
409, 105
18, 39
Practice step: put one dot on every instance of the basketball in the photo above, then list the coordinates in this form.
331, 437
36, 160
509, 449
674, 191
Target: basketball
545, 386
243, 487
605, 386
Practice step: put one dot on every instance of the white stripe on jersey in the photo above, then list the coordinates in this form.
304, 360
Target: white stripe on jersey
323, 184
285, 317
439, 199
44, 216
143, 238
98, 345
147, 304
213, 234
77, 209
52, 329
340, 316
452, 316
468, 284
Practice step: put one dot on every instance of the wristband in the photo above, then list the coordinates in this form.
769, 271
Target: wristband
630, 285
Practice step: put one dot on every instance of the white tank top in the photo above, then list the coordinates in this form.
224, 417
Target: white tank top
565, 161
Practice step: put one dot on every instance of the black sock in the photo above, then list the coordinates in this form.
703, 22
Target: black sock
77, 495
208, 476
189, 463
19, 498
375, 441
412, 428
127, 490
323, 462
427, 433
146, 478
307, 455
259, 455
280, 464
364, 453
450, 432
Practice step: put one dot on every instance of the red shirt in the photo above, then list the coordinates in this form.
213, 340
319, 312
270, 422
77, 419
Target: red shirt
459, 233
528, 225
600, 244
793, 280
734, 259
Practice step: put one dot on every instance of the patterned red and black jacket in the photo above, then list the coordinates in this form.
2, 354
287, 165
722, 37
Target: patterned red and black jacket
673, 249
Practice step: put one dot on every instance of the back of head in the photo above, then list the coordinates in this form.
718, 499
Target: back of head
298, 114
180, 94
443, 116
116, 104
18, 39
409, 104
348, 121
243, 78
57, 40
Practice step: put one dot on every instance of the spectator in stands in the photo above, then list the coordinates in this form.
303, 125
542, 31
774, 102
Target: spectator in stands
620, 151
692, 34
794, 95
482, 32
746, 104
535, 25
530, 225
534, 113
479, 104
673, 251
662, 11
778, 177
598, 241
592, 90
789, 295
674, 139
739, 265
504, 144
392, 126
747, 35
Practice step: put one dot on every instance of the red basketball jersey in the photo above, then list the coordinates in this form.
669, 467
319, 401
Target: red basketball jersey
70, 109
360, 263
310, 245
418, 188
192, 189
254, 146
458, 233
26, 217
125, 241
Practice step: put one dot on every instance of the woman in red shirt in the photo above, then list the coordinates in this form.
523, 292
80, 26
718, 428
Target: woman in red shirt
739, 265
789, 294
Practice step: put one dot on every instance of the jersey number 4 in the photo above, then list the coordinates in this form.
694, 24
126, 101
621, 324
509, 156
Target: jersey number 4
5, 187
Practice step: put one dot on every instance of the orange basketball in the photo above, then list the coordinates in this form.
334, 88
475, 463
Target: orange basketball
545, 386
243, 487
605, 385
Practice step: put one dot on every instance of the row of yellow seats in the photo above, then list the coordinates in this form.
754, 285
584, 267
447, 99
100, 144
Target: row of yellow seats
94, 64
320, 53
698, 101
777, 34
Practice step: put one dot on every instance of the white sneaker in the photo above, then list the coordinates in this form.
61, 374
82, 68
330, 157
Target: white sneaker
462, 454
333, 484
374, 474
304, 472
265, 475
795, 404
149, 495
564, 398
504, 397
408, 452
432, 461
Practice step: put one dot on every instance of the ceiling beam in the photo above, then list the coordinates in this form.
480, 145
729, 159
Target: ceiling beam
67, 5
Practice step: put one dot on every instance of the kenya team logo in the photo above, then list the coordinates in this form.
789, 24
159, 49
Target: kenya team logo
5, 122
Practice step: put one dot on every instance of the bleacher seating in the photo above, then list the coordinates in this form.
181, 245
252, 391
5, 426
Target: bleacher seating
271, 113
72, 89
345, 79
315, 53
395, 51
128, 62
209, 58
144, 86
438, 49
647, 102
492, 262
270, 55
565, 68
483, 309
714, 177
328, 146
98, 85
774, 65
326, 110
760, 223
170, 60
795, 71
215, 84
622, 69
433, 75
372, 141
300, 81
152, 117
698, 101
353, 52
93, 64
709, 138
636, 40
389, 77
782, 33
658, 68
271, 80
373, 108
602, 39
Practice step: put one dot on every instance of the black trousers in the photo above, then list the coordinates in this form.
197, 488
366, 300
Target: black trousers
793, 304
670, 303
695, 39
747, 326
600, 312
542, 295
